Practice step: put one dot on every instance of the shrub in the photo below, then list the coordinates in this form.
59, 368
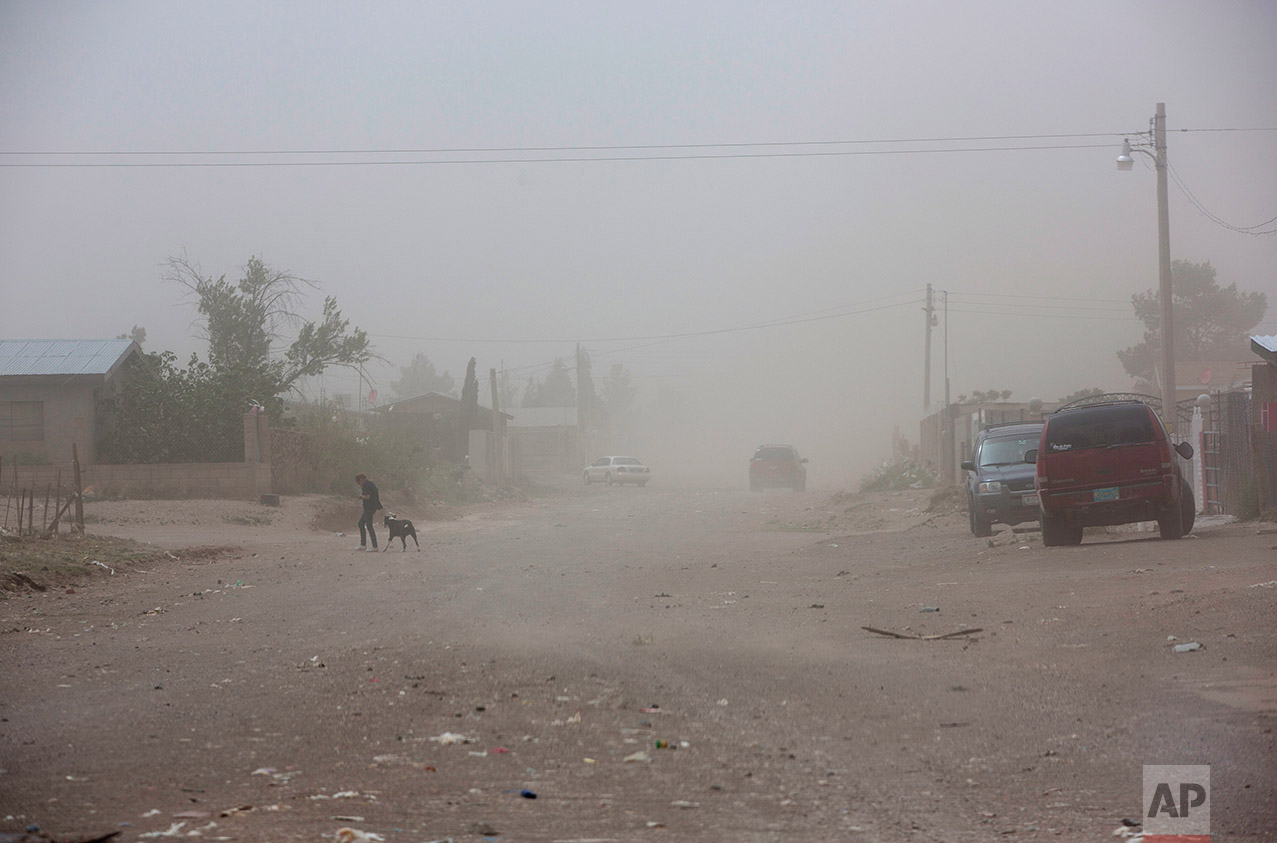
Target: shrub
898, 474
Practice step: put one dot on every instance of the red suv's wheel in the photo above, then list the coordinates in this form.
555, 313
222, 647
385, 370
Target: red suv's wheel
1171, 522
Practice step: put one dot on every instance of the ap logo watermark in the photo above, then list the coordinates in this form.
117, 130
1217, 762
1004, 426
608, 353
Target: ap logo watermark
1176, 803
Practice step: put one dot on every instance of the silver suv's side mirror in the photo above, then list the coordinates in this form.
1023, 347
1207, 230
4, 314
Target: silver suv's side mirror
1185, 450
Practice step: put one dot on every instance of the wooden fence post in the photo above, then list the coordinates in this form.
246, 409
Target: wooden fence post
79, 490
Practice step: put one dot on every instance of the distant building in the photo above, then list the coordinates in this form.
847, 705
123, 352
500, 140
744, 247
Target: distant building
51, 393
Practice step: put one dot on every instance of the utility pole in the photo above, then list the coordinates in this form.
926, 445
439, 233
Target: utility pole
926, 363
1164, 271
498, 447
948, 414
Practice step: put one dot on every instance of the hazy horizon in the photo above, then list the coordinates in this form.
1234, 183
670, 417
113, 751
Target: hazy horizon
505, 181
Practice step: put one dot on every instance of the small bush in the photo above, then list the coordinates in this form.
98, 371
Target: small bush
897, 475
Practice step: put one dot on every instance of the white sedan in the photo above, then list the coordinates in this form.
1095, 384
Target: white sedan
611, 470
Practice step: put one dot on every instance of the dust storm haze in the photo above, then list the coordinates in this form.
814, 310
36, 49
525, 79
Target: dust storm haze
741, 204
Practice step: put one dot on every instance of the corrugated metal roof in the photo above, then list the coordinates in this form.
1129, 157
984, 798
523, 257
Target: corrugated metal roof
61, 357
1265, 347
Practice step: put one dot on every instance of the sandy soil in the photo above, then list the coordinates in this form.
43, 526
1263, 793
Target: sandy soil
290, 687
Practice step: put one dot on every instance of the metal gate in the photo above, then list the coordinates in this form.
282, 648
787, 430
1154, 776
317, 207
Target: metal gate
1228, 468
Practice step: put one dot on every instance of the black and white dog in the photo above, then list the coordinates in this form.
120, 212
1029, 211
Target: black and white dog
400, 528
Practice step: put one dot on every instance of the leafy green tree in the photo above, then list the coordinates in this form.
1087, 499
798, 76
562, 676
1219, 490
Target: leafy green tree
420, 377
470, 398
1211, 322
1078, 395
246, 321
138, 335
589, 405
555, 391
990, 396
618, 396
165, 413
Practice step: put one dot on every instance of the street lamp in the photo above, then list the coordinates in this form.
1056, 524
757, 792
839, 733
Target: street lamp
1157, 140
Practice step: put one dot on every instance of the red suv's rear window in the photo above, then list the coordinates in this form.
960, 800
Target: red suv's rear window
1099, 427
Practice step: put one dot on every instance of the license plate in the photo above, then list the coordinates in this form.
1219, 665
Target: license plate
1109, 494
1029, 500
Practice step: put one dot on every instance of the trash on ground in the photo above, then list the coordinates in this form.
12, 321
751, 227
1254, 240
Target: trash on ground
1190, 647
346, 834
449, 738
683, 803
929, 609
637, 757
957, 634
528, 794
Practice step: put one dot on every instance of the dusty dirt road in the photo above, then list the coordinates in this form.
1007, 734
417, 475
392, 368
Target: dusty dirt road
292, 687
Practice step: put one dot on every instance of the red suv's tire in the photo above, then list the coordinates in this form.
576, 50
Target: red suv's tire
1188, 506
1171, 522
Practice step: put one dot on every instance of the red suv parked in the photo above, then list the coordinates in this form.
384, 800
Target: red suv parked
1109, 463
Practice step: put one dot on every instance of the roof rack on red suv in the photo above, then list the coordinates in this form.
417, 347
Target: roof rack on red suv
1109, 463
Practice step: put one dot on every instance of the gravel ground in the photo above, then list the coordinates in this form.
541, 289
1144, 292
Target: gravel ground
288, 686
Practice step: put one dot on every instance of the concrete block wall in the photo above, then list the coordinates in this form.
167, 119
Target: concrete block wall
234, 481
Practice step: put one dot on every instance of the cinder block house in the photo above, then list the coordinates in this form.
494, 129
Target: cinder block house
49, 396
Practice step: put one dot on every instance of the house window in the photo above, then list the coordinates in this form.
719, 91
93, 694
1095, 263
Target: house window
22, 421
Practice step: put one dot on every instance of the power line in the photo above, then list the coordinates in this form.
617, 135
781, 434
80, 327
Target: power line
1045, 298
601, 148
1252, 230
677, 336
616, 147
543, 160
1047, 315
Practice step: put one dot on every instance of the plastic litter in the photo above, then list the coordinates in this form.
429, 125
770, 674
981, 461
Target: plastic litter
528, 794
1190, 647
638, 757
346, 834
450, 738
929, 609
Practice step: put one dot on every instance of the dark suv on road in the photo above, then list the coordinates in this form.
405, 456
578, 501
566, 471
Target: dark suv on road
777, 465
1110, 463
1000, 486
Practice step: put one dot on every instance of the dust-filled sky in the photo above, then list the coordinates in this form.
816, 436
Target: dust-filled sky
823, 160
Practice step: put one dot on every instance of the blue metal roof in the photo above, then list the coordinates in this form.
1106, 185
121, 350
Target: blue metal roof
61, 357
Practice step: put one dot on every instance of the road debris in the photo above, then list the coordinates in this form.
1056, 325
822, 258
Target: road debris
346, 834
450, 738
957, 634
639, 757
1190, 647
